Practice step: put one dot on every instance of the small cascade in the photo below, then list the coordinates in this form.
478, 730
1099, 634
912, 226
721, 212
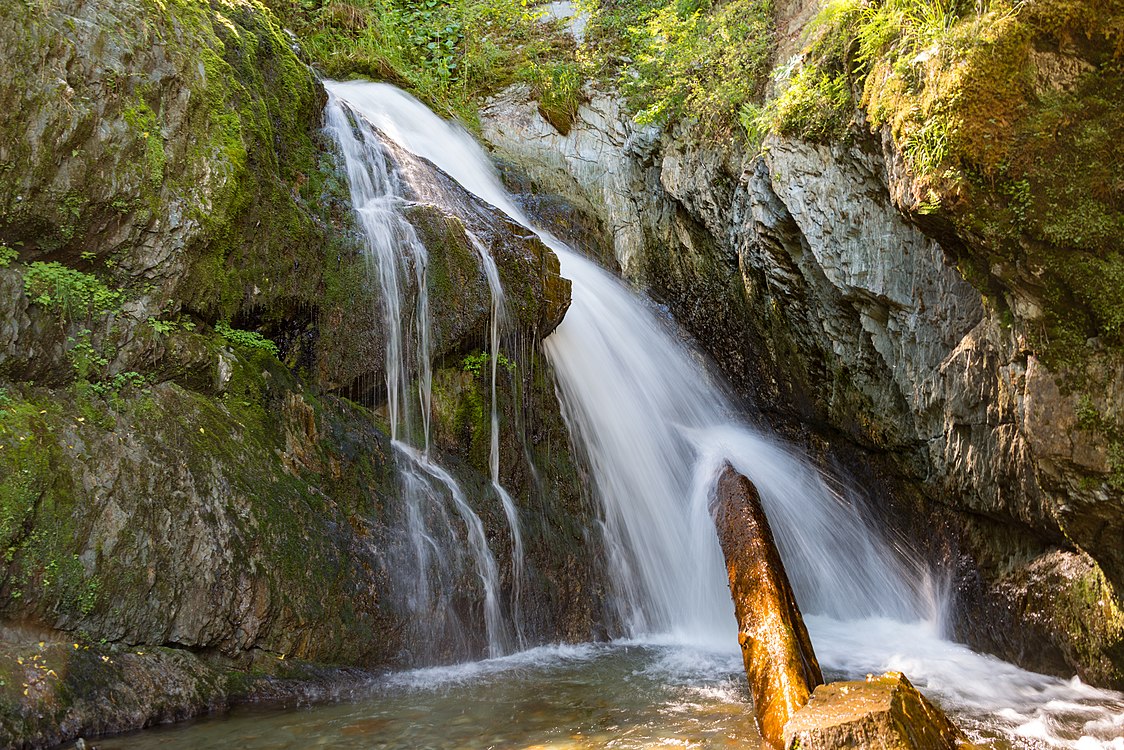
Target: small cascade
432, 546
393, 252
498, 641
498, 321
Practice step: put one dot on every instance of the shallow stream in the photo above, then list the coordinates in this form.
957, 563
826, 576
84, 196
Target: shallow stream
656, 695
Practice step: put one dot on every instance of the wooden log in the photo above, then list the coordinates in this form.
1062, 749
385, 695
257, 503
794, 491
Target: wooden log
779, 660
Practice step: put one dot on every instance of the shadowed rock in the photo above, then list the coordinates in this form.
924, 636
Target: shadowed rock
779, 661
882, 713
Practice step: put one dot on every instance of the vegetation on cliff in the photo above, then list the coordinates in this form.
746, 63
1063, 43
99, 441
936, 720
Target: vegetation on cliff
450, 53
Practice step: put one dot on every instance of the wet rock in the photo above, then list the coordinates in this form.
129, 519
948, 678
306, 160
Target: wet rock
449, 221
77, 688
880, 713
779, 660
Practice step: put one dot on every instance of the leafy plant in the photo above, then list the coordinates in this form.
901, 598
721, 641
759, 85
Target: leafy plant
83, 356
246, 339
162, 327
476, 363
75, 294
700, 62
7, 255
118, 383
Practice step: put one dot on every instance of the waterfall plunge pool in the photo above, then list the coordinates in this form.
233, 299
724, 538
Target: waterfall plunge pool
652, 694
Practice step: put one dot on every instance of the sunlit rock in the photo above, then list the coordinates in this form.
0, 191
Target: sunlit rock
880, 713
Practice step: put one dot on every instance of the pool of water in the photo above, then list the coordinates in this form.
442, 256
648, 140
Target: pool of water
588, 696
655, 695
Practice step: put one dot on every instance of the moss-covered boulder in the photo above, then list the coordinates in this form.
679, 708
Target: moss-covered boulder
168, 146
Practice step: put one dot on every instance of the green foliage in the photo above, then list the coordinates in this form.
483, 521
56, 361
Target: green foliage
7, 255
699, 61
162, 327
814, 105
120, 382
450, 53
251, 340
557, 86
83, 356
69, 291
474, 364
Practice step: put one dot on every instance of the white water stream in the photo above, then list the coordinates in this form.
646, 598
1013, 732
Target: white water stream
656, 431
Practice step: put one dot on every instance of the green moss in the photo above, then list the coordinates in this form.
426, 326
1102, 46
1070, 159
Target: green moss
141, 117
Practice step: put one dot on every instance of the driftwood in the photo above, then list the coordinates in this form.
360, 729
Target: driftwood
779, 661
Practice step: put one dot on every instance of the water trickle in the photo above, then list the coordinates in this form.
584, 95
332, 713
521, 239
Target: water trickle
511, 512
432, 547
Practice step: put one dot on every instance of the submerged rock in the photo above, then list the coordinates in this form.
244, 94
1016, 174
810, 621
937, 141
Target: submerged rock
779, 661
880, 713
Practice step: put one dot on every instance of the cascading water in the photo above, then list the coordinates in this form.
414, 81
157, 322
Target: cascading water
656, 431
394, 250
499, 318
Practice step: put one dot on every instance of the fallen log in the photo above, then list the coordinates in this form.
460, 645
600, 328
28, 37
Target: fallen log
779, 661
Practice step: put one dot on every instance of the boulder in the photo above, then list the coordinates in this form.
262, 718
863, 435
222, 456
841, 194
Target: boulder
779, 661
879, 713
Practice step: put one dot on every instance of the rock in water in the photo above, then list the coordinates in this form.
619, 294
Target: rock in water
779, 661
880, 713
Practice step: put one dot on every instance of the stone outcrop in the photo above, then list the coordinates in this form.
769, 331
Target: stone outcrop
192, 463
779, 660
848, 325
880, 713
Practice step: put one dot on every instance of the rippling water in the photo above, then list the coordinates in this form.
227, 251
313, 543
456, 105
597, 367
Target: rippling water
651, 695
589, 696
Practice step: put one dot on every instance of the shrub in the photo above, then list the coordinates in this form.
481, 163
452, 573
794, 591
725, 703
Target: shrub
246, 339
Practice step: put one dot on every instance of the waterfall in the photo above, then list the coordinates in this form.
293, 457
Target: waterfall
433, 546
656, 430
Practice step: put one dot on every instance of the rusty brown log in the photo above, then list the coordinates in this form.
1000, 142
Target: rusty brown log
779, 660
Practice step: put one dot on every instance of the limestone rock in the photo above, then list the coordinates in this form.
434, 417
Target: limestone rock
779, 660
881, 713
